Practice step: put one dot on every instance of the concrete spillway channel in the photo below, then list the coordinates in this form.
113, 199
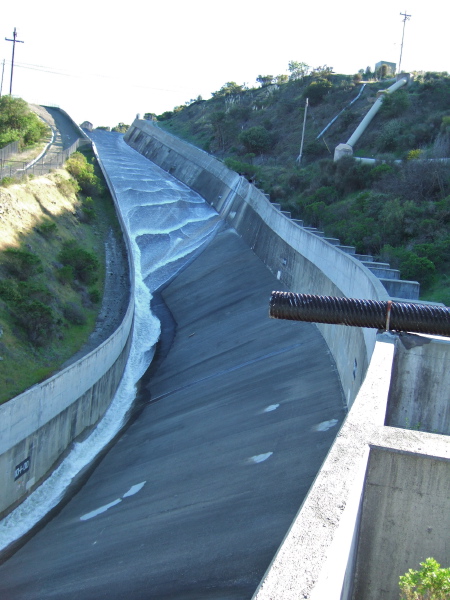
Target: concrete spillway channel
196, 496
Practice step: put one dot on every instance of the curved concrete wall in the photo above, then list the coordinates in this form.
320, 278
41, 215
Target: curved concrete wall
38, 426
301, 261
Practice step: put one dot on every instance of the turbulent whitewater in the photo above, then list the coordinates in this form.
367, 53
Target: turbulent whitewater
167, 224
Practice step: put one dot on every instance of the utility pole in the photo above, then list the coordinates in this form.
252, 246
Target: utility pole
299, 157
1, 84
405, 18
14, 41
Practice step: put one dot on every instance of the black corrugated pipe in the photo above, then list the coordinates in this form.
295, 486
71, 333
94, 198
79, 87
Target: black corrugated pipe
386, 315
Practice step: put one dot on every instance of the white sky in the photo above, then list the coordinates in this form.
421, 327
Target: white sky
107, 61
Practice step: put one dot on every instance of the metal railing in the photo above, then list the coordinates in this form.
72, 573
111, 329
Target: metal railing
39, 166
7, 151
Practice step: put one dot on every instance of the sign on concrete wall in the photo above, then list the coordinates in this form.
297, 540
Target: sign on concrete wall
22, 468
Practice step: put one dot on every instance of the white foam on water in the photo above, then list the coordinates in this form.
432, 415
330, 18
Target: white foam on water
137, 183
134, 489
259, 458
325, 425
99, 511
271, 408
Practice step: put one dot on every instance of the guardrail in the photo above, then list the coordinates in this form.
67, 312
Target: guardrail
9, 150
39, 166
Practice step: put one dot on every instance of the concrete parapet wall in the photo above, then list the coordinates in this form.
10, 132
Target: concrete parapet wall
38, 426
420, 391
301, 260
408, 290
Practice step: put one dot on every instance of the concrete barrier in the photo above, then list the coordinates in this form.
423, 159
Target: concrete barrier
38, 426
301, 260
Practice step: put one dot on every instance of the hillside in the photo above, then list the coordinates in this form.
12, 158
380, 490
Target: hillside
398, 212
53, 232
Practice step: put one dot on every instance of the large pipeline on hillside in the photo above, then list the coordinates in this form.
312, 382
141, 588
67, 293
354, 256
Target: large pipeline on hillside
385, 315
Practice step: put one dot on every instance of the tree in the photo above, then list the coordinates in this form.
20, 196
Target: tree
322, 72
121, 128
265, 80
256, 139
231, 87
317, 90
298, 70
280, 79
19, 123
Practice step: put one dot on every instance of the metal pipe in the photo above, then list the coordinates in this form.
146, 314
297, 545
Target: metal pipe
386, 315
373, 111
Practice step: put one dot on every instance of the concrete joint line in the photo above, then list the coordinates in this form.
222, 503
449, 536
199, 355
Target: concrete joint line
230, 370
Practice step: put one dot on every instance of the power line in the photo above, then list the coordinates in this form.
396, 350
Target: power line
406, 18
14, 41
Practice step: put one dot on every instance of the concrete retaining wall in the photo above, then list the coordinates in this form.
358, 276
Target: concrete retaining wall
38, 426
300, 260
419, 397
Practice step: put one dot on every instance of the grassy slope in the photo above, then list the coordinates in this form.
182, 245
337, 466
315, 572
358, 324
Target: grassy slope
24, 208
330, 197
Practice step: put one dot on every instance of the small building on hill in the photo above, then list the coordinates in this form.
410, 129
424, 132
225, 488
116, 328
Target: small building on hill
390, 67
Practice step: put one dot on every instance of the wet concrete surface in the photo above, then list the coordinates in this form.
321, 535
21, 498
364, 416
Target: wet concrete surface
196, 496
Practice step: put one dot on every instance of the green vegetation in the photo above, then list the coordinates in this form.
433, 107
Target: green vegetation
19, 123
397, 211
52, 276
431, 582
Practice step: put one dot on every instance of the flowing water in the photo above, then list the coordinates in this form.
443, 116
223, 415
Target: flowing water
167, 224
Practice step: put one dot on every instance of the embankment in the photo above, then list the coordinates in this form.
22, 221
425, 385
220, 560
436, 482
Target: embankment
38, 426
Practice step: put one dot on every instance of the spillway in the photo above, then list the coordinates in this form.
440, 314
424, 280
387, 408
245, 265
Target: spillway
196, 496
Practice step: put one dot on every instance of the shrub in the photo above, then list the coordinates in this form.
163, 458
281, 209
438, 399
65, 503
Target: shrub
65, 275
9, 291
431, 582
78, 167
30, 290
240, 167
412, 266
7, 181
88, 210
256, 139
394, 105
317, 91
85, 265
21, 263
47, 229
414, 154
67, 187
95, 296
37, 320
74, 313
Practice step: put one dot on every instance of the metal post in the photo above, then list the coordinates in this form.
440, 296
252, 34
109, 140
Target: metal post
14, 41
1, 84
299, 157
406, 18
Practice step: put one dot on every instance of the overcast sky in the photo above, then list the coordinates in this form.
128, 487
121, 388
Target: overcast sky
105, 62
